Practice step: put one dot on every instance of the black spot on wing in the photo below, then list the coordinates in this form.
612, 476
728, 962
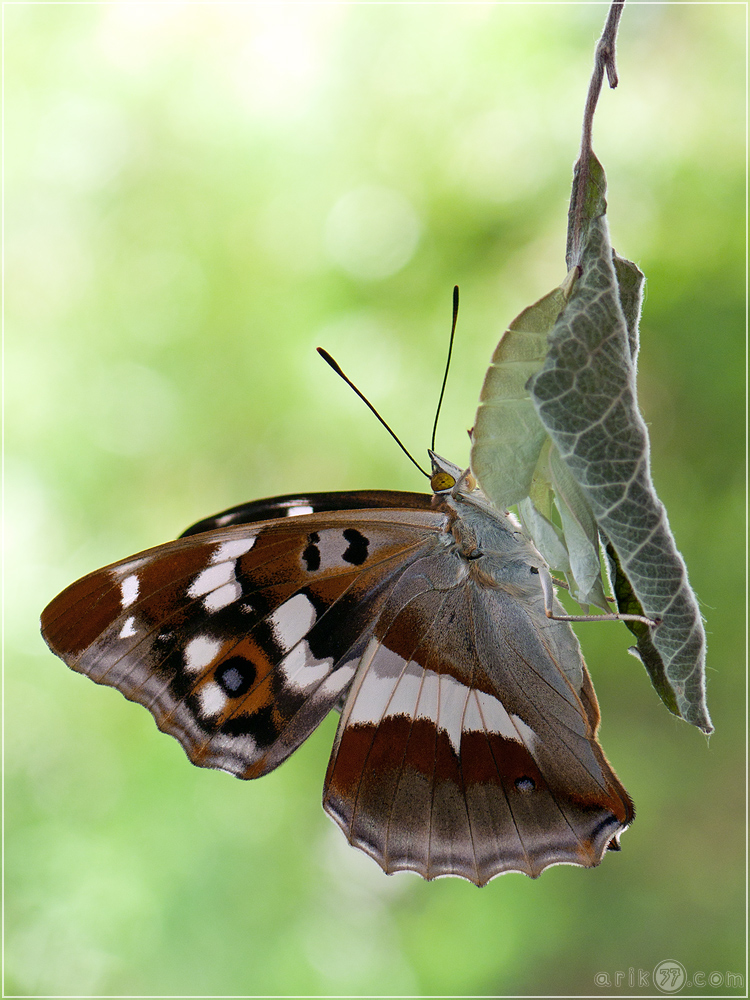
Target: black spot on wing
358, 544
235, 676
263, 726
311, 555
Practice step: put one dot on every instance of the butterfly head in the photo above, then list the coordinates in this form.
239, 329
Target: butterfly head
447, 477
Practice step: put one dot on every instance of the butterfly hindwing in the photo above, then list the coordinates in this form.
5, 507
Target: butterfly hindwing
240, 640
463, 747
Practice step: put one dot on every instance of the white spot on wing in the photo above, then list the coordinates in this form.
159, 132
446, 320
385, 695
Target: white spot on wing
442, 700
292, 620
200, 651
128, 629
487, 713
232, 550
407, 691
337, 681
211, 579
382, 669
129, 588
218, 582
212, 699
223, 596
474, 717
296, 511
232, 753
427, 706
527, 734
452, 697
302, 670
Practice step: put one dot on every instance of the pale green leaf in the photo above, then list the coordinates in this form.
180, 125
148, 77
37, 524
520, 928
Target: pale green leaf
546, 536
572, 548
512, 459
508, 436
581, 535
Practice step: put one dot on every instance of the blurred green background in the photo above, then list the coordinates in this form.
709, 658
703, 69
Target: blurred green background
196, 197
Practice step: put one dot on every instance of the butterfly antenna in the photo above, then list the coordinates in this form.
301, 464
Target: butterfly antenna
329, 360
447, 364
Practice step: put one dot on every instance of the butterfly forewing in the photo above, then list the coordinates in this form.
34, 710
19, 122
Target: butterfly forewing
240, 640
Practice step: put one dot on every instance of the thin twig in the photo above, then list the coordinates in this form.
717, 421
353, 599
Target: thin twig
604, 59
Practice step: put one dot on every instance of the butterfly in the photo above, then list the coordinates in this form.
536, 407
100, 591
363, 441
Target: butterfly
467, 739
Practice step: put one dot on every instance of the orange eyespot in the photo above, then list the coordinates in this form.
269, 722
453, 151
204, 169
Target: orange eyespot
442, 481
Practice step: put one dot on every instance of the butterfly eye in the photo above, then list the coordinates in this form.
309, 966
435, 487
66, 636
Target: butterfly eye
441, 482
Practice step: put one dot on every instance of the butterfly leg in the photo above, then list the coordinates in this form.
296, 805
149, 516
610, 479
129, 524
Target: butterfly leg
548, 591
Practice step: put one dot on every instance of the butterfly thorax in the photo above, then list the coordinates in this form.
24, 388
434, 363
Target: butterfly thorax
491, 541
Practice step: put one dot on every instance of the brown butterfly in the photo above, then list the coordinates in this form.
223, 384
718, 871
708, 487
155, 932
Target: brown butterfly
467, 741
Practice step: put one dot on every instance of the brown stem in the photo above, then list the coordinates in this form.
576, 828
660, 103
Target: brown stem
604, 59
